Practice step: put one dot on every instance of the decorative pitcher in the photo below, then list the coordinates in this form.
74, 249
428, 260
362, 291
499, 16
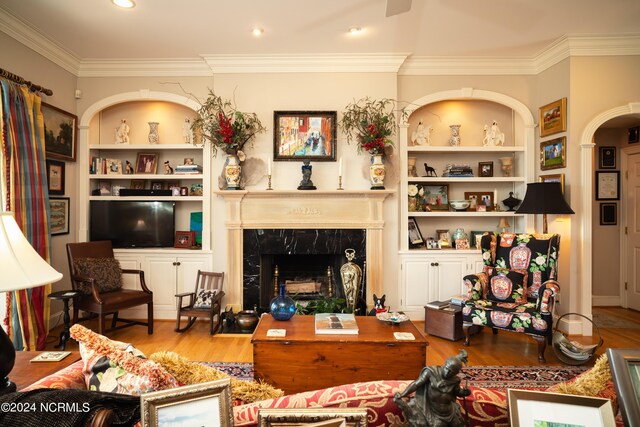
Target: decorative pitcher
377, 172
153, 132
232, 171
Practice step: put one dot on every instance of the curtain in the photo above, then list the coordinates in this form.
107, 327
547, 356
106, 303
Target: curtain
25, 193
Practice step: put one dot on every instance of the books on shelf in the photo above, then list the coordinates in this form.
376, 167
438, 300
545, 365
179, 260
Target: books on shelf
438, 305
51, 356
188, 169
336, 324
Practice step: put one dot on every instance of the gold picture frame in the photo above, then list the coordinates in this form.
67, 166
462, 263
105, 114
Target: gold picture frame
146, 163
553, 117
209, 402
553, 153
353, 417
557, 177
60, 133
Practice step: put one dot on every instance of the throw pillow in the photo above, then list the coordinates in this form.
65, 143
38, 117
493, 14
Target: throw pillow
106, 273
509, 286
203, 298
117, 367
188, 372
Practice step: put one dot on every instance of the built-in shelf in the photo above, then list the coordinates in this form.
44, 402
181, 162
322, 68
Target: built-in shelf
145, 147
463, 149
449, 179
463, 214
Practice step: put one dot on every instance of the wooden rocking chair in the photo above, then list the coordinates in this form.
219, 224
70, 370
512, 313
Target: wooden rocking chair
205, 301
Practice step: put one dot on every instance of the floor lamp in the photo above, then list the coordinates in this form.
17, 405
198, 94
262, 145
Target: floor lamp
21, 267
544, 198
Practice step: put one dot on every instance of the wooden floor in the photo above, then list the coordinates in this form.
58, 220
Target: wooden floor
506, 348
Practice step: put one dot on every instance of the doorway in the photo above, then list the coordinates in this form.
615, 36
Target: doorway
631, 244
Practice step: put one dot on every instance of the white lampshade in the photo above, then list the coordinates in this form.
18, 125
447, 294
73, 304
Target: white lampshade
21, 267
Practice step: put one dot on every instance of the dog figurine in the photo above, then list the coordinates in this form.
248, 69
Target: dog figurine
378, 305
228, 321
430, 171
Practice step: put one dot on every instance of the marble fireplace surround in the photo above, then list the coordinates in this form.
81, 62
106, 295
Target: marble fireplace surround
298, 209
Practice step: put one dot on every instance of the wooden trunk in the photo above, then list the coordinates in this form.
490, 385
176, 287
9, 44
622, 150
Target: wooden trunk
443, 323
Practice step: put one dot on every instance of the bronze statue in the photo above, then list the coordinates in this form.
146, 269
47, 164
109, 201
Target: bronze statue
436, 391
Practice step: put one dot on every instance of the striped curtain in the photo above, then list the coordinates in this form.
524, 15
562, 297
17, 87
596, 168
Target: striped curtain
25, 193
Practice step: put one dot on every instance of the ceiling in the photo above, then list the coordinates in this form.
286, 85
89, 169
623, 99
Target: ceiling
162, 29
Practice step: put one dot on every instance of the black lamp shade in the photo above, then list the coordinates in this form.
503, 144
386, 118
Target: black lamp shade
544, 198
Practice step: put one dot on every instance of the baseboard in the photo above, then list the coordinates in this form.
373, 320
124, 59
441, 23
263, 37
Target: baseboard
605, 301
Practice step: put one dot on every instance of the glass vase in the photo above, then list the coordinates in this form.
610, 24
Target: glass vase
282, 307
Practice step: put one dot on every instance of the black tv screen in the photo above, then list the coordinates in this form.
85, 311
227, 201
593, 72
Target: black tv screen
132, 224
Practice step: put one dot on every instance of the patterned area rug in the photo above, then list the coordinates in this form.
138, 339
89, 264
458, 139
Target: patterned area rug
611, 322
523, 377
241, 371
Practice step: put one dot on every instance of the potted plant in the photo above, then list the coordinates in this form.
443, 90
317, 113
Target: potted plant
226, 128
371, 123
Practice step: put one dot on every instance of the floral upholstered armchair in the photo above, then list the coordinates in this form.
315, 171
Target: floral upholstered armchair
517, 289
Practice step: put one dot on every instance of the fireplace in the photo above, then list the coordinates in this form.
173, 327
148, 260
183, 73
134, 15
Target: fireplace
300, 255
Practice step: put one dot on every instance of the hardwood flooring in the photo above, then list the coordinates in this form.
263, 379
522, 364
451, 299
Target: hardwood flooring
505, 348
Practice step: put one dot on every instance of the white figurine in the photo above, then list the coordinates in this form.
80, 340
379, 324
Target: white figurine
122, 133
493, 136
422, 135
186, 131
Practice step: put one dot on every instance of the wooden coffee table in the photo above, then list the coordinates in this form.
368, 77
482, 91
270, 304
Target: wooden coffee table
25, 373
304, 361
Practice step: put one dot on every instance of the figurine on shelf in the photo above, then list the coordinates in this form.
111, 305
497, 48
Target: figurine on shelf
429, 170
128, 168
422, 135
168, 170
493, 136
122, 132
187, 134
306, 183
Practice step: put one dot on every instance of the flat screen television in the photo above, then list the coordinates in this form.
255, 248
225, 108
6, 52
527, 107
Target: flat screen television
132, 224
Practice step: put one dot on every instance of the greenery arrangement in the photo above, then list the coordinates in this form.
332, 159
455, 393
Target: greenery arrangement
371, 123
326, 305
224, 127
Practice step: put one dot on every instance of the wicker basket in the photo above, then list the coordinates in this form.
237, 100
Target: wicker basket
571, 352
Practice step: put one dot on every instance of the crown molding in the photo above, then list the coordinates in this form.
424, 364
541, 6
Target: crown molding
460, 66
144, 68
37, 42
307, 63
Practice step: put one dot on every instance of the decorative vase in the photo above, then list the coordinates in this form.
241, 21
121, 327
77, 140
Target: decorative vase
247, 320
351, 275
282, 307
454, 140
507, 165
153, 132
511, 202
411, 166
458, 234
377, 172
232, 170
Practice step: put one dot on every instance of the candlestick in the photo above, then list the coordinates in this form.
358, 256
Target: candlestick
340, 182
495, 200
269, 182
269, 168
340, 167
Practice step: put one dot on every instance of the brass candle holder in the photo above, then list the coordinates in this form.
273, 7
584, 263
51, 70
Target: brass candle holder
340, 183
269, 182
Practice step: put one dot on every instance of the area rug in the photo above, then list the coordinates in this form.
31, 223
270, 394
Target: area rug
603, 320
241, 371
523, 377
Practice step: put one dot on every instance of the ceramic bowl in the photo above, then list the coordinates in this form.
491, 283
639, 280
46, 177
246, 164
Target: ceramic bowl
459, 205
392, 317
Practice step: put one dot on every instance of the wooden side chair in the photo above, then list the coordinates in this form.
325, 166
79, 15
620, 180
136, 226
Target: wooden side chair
97, 275
205, 301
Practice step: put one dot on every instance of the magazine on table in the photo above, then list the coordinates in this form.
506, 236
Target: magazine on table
336, 323
51, 356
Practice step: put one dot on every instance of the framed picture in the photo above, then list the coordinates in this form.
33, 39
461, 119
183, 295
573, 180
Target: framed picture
114, 167
553, 153
415, 237
137, 184
607, 185
537, 408
189, 161
475, 237
184, 191
60, 134
608, 214
432, 243
318, 417
105, 188
553, 117
479, 198
607, 157
436, 196
185, 239
444, 239
175, 191
485, 169
158, 185
196, 190
559, 177
147, 163
55, 177
304, 135
625, 369
59, 215
204, 404
634, 134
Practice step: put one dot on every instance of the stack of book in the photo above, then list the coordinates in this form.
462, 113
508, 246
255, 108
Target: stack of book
188, 169
458, 299
336, 324
455, 170
438, 305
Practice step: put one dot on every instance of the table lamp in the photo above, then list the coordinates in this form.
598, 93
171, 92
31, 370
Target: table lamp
504, 224
544, 198
22, 268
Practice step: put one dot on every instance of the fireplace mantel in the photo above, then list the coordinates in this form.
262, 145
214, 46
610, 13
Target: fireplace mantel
316, 209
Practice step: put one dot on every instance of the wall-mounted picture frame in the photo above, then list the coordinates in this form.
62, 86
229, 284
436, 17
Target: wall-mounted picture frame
59, 209
557, 177
625, 369
607, 185
485, 169
553, 153
538, 408
436, 197
147, 163
608, 214
318, 417
60, 133
607, 157
55, 177
415, 236
479, 198
185, 239
304, 135
553, 117
634, 134
203, 404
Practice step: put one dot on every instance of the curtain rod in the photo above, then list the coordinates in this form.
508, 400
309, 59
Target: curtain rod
16, 78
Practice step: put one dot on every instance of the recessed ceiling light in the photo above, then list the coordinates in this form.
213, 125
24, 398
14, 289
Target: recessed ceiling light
355, 30
127, 4
257, 32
